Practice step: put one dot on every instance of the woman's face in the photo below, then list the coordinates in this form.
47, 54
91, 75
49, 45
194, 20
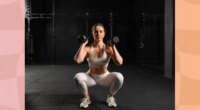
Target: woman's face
98, 33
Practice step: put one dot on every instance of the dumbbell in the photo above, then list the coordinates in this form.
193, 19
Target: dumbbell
82, 38
114, 40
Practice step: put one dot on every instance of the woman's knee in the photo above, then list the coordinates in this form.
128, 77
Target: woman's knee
79, 77
118, 76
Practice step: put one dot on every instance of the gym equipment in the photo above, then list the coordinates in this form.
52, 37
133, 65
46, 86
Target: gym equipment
82, 38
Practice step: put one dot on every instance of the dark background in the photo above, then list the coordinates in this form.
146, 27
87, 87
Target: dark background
53, 39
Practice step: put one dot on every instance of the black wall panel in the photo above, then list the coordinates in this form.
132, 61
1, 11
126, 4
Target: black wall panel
55, 39
152, 35
43, 41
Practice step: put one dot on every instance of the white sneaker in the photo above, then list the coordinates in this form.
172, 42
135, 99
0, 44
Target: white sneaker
85, 103
111, 101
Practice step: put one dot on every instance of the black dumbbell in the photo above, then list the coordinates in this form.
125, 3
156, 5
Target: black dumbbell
82, 38
114, 40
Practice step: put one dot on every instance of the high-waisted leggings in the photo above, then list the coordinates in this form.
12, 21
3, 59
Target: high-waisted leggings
114, 80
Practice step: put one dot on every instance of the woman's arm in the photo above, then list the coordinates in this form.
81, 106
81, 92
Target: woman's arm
117, 58
81, 53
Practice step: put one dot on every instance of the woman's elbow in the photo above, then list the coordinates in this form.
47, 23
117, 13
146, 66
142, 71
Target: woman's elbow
78, 61
119, 63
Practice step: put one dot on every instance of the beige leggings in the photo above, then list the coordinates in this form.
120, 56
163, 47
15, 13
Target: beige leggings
114, 80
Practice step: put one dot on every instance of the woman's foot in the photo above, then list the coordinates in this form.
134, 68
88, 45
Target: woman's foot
85, 102
111, 101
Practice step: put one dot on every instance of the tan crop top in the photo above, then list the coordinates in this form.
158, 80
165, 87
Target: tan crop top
103, 61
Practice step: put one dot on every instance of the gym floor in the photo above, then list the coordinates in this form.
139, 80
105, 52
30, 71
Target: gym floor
51, 87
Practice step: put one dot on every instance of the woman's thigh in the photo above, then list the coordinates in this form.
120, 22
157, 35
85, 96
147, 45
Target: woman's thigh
86, 78
109, 79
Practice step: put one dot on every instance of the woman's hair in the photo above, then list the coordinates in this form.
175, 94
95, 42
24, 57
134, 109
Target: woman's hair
98, 24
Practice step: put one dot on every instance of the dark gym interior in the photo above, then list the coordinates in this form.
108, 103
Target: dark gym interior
146, 33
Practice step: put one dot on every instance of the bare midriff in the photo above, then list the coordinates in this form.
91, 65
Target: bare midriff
98, 70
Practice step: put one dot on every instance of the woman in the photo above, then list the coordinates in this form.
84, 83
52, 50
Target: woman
98, 55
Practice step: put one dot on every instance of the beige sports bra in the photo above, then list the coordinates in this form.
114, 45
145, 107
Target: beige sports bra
103, 61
